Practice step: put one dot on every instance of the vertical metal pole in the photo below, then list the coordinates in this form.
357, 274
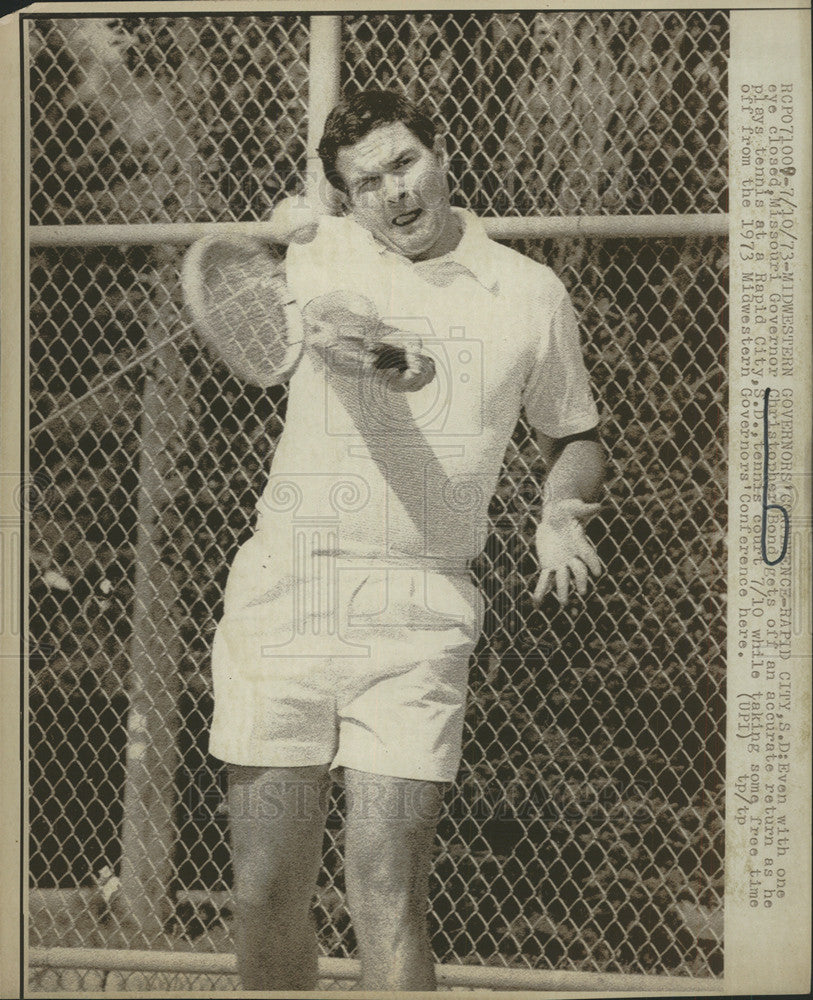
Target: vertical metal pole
324, 74
148, 829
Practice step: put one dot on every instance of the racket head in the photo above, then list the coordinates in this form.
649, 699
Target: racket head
241, 306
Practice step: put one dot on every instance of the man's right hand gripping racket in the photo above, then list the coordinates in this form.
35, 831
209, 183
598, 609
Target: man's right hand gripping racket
242, 309
344, 329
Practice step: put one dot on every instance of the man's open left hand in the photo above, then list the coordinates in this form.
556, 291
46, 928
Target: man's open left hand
563, 548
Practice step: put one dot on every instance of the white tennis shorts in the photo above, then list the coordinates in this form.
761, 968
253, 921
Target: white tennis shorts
360, 664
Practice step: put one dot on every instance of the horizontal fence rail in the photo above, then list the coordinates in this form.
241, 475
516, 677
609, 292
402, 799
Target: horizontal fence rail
346, 970
519, 228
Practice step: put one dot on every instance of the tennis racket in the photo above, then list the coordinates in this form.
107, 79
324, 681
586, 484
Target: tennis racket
241, 307
243, 310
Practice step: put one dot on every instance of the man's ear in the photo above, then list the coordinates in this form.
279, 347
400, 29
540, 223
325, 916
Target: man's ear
336, 201
341, 201
439, 149
333, 201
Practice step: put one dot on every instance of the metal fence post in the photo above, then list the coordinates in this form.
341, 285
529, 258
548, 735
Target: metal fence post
324, 75
148, 830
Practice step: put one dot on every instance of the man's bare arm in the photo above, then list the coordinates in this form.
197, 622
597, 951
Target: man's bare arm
295, 219
576, 466
576, 473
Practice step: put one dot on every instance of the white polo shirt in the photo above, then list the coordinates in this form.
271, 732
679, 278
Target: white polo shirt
362, 471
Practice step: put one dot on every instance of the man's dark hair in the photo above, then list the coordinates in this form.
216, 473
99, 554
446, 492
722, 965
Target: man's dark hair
354, 117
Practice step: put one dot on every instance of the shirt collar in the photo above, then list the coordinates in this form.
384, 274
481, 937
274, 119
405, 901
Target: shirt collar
473, 252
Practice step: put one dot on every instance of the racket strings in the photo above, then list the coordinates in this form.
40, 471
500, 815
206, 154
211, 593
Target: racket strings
245, 304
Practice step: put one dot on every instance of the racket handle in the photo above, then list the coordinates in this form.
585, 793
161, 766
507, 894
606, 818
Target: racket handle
405, 367
421, 373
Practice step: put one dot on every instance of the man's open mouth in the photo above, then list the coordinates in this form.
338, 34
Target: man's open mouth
406, 218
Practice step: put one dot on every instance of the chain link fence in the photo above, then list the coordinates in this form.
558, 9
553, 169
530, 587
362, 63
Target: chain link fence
586, 830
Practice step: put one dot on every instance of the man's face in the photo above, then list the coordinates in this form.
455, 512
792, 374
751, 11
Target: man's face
397, 189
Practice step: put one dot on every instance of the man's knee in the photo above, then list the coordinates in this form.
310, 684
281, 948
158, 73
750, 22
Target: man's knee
391, 826
260, 884
277, 822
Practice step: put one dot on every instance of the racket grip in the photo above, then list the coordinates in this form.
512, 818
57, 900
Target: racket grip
420, 371
400, 360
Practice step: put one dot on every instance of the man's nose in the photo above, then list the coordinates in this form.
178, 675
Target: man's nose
394, 187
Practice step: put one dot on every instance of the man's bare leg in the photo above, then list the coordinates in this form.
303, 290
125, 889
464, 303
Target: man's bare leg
391, 826
277, 820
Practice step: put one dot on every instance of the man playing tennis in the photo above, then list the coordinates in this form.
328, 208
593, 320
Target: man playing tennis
350, 616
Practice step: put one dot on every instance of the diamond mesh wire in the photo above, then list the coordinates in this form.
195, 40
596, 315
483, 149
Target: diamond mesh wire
609, 113
586, 830
46, 981
166, 119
